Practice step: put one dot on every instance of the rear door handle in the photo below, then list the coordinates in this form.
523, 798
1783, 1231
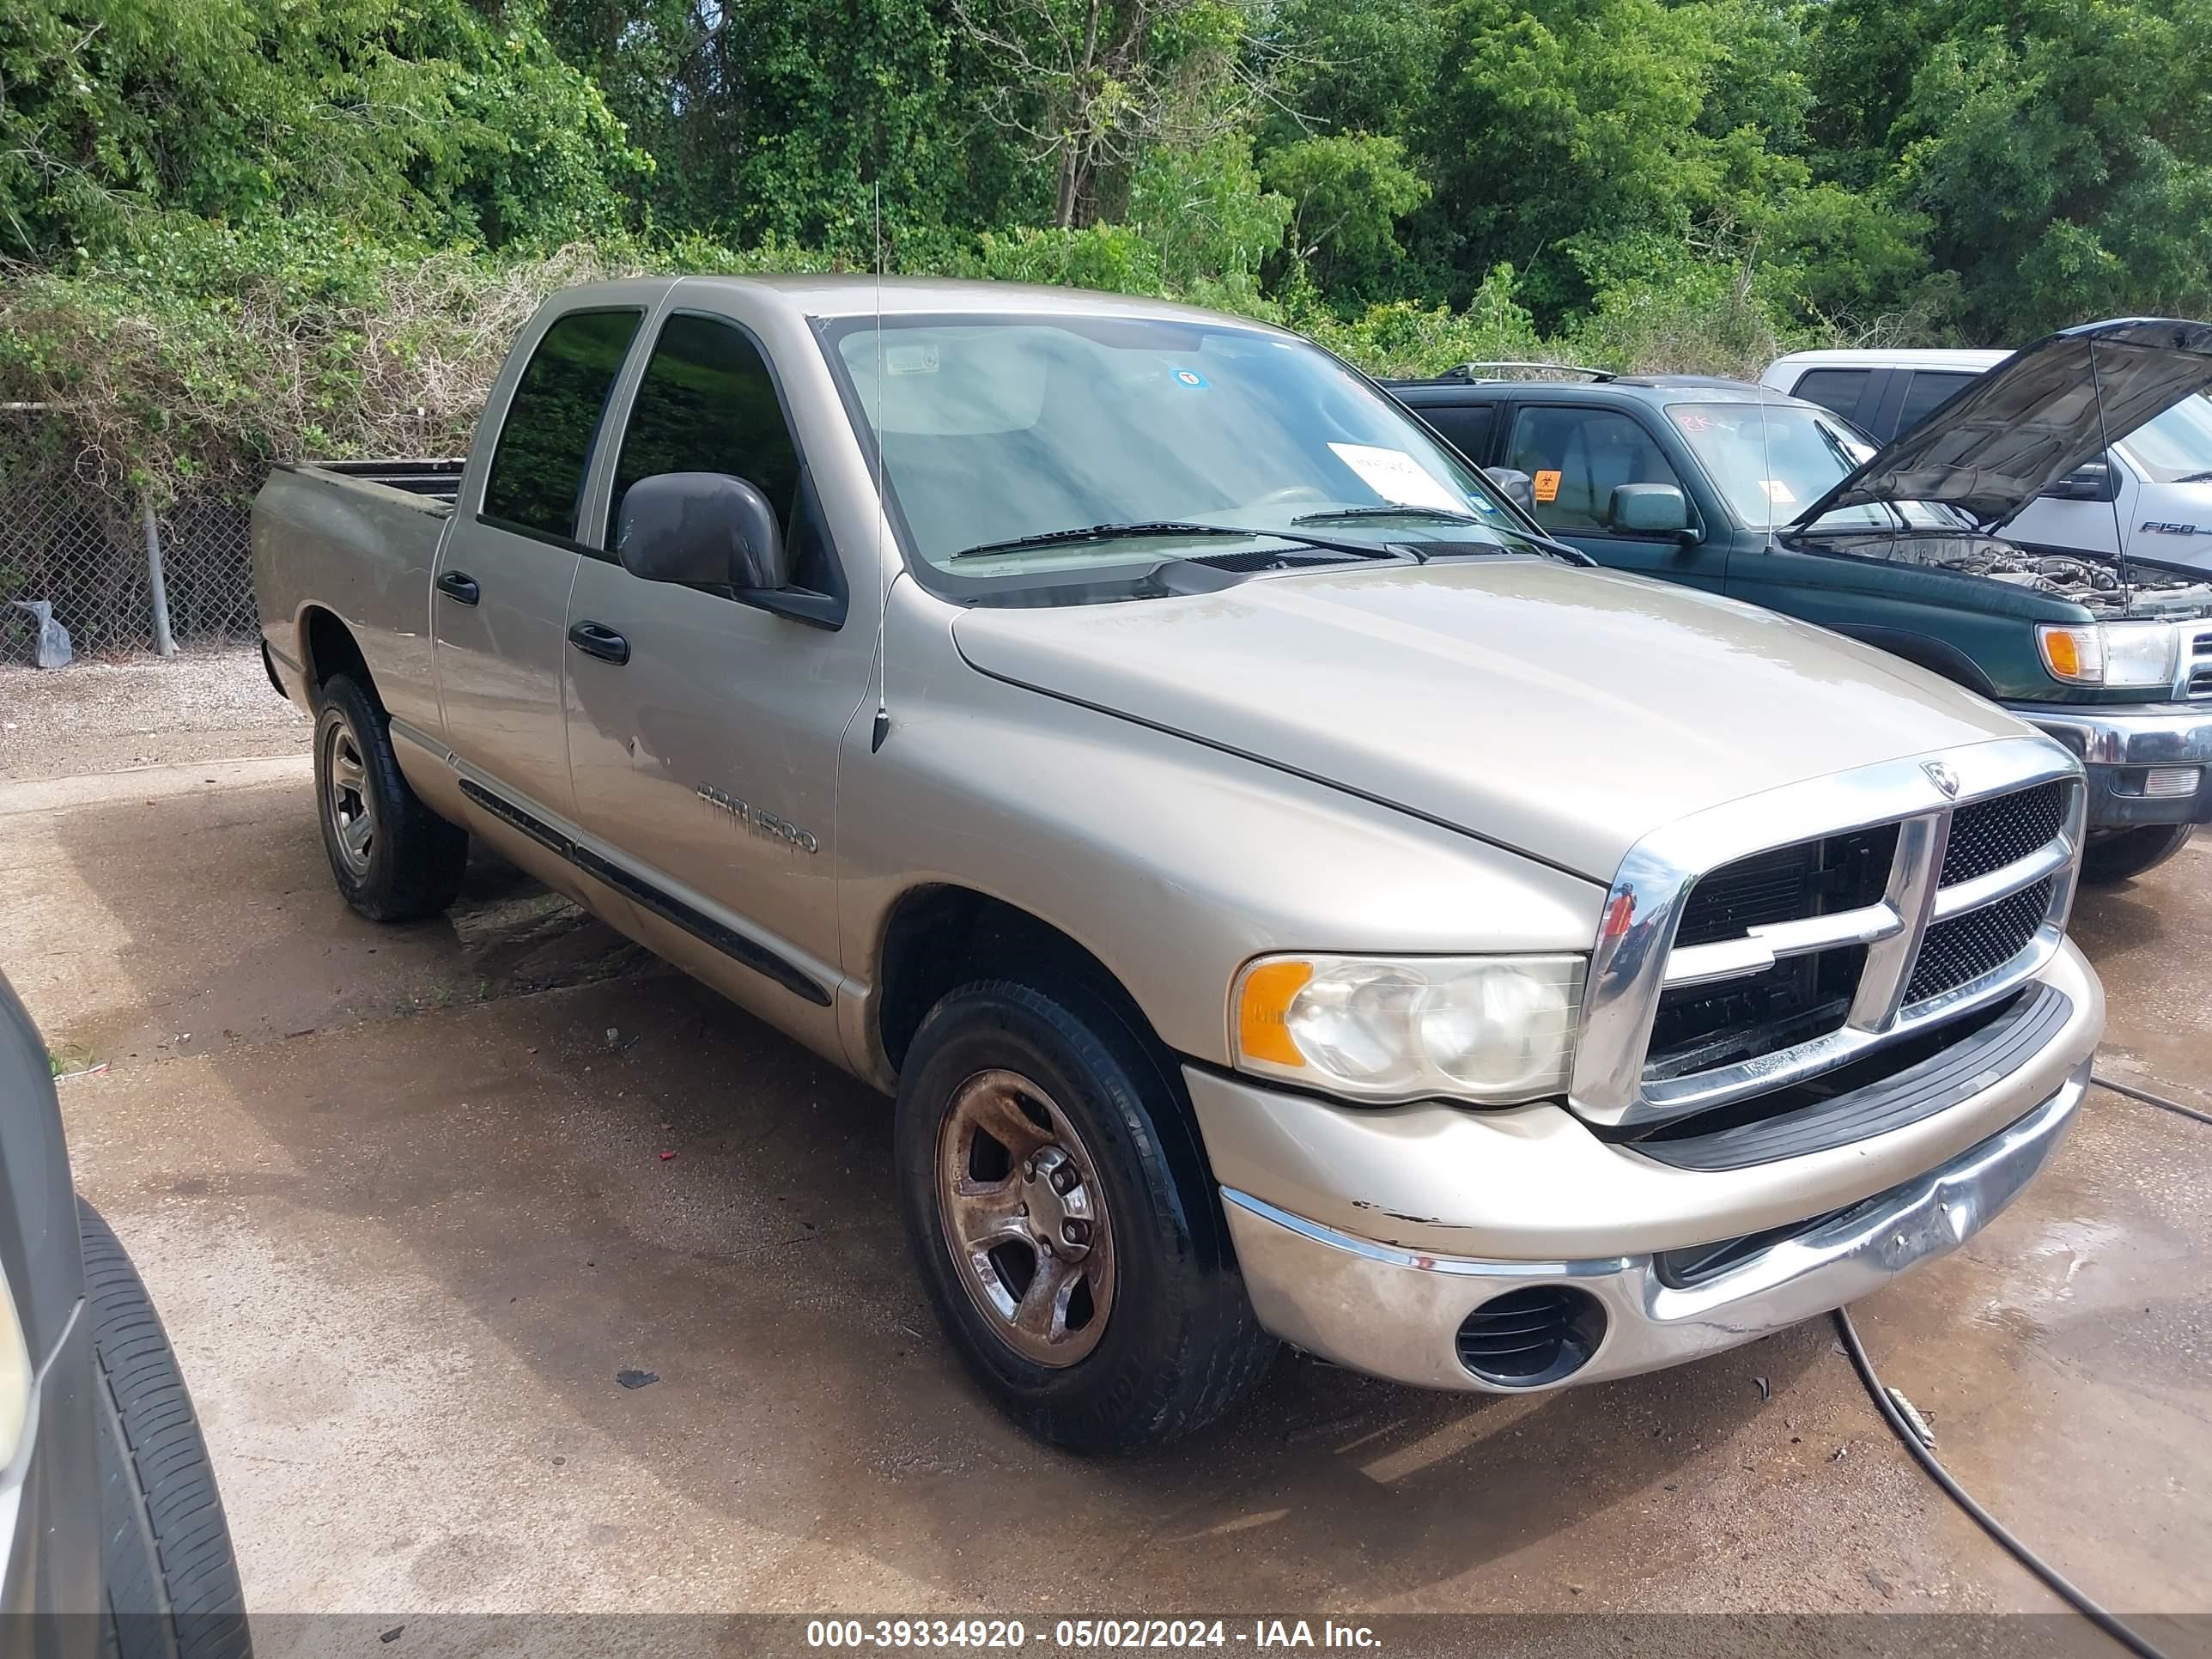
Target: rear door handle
455, 586
597, 639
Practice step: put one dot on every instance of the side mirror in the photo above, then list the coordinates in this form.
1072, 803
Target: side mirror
1516, 487
2091, 481
703, 527
1648, 509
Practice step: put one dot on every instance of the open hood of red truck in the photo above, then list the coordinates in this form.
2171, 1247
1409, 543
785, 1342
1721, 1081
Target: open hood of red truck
2018, 429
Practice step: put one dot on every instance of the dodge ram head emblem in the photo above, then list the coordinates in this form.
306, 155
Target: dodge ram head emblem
1940, 775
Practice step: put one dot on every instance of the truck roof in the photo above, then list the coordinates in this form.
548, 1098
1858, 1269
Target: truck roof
1650, 388
1975, 359
859, 293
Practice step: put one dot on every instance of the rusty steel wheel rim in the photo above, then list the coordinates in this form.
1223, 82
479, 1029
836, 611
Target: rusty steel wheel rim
345, 785
1024, 1217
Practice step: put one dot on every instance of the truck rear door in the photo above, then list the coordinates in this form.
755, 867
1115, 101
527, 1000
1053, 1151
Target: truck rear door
499, 599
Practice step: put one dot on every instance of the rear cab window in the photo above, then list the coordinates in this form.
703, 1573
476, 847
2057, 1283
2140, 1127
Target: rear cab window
1926, 392
1466, 426
536, 484
1575, 459
1842, 390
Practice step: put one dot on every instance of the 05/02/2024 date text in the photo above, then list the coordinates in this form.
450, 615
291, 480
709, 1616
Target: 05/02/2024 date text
1087, 1634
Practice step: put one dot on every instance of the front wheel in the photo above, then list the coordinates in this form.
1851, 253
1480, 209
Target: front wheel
2129, 852
1060, 1213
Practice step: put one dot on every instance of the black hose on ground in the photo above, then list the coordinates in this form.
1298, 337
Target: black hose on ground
2059, 1585
2149, 1099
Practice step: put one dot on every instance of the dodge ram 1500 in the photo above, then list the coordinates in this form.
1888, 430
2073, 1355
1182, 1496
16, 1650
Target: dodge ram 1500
1288, 895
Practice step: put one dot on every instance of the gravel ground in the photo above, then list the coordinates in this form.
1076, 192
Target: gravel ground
99, 717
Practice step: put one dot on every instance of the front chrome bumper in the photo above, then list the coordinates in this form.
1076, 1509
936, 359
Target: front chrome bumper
1396, 1313
2117, 744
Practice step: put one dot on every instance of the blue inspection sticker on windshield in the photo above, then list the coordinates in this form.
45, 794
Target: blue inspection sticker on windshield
1188, 377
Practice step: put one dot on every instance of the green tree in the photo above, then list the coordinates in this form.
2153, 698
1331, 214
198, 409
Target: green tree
780, 120
425, 117
2063, 153
1347, 193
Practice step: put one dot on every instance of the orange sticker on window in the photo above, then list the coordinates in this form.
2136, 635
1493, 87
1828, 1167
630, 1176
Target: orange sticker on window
1547, 487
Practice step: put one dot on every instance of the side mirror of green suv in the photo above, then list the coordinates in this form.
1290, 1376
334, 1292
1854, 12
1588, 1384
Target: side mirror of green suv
1648, 509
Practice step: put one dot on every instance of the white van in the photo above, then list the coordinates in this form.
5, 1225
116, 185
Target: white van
2150, 498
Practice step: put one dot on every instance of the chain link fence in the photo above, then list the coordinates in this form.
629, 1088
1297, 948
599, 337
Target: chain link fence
84, 547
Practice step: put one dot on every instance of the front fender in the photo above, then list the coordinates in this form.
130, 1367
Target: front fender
1172, 862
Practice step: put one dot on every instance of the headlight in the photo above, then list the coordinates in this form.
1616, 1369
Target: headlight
2136, 653
1493, 1029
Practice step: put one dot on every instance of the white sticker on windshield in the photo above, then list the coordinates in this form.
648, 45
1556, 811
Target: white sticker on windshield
910, 359
1777, 493
1397, 477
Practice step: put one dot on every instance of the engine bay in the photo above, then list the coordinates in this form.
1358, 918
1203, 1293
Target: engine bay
2083, 578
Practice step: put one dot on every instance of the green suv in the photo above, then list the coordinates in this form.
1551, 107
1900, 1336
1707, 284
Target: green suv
1734, 488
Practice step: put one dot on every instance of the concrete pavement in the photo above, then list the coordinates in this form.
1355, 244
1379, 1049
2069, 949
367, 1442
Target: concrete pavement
400, 1194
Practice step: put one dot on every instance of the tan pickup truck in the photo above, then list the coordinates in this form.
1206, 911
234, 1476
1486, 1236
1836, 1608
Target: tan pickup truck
1288, 896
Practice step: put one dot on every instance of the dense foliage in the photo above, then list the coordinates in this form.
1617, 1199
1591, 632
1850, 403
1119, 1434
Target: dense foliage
239, 227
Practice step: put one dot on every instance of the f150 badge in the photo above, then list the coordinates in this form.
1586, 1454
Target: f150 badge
760, 822
2160, 528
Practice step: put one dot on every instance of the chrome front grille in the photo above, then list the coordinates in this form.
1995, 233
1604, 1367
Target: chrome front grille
1963, 949
2196, 667
1738, 956
1988, 835
1838, 872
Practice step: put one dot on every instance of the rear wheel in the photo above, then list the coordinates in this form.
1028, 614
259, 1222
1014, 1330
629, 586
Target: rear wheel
393, 858
171, 1580
2129, 852
1062, 1217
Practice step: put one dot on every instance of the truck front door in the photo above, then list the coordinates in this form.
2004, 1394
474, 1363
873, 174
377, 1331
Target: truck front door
1577, 454
704, 760
499, 599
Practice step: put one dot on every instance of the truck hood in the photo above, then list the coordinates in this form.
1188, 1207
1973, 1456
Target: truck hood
2018, 429
1561, 712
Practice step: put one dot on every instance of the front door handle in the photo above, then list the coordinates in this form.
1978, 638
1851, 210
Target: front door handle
597, 639
455, 586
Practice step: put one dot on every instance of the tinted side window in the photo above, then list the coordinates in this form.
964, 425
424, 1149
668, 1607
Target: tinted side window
1839, 389
1465, 427
1576, 456
536, 479
1925, 392
707, 405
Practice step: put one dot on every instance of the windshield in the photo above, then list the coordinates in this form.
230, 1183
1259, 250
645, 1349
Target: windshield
2178, 445
996, 431
1772, 461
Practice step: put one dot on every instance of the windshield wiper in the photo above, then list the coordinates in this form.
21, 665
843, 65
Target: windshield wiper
2194, 477
1543, 544
1159, 528
1392, 510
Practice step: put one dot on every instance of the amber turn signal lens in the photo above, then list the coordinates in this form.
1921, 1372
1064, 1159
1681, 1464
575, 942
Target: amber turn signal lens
1262, 1027
2064, 651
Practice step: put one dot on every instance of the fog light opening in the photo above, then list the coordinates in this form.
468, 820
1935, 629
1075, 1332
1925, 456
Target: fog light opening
2171, 783
1527, 1338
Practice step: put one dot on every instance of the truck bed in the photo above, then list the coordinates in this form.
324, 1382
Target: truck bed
435, 477
360, 539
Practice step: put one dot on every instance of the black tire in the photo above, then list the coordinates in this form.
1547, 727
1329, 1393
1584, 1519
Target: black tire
172, 1581
2127, 853
413, 862
1179, 1344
